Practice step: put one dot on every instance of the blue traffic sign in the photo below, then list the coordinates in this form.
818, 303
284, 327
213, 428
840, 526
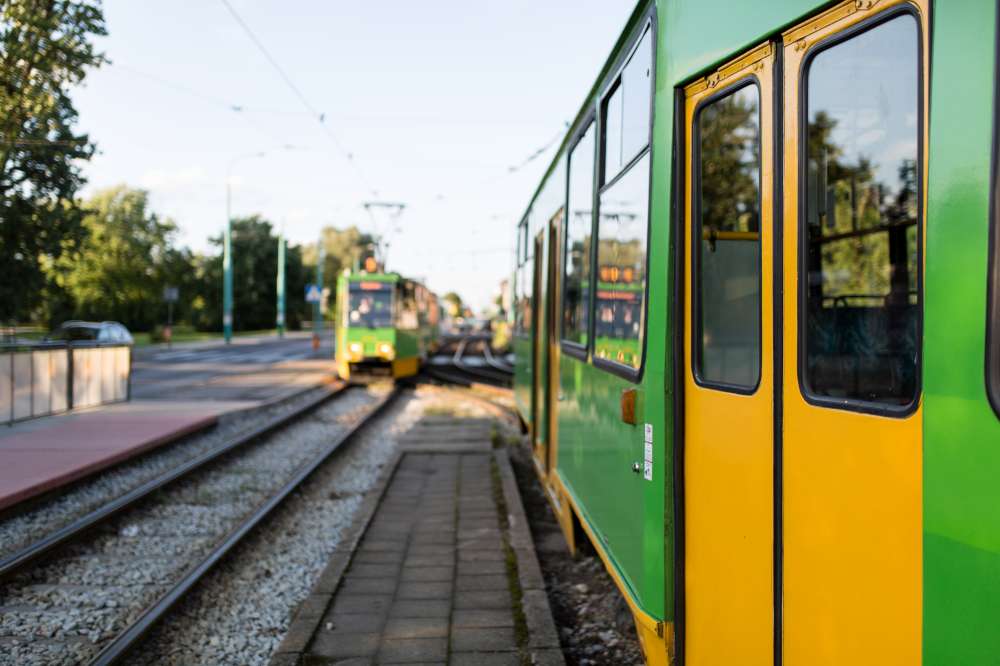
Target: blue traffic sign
313, 293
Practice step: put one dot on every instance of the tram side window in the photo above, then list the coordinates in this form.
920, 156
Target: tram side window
626, 112
727, 232
862, 200
623, 213
579, 225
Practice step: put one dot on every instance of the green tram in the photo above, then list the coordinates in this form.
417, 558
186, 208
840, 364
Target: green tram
782, 432
386, 325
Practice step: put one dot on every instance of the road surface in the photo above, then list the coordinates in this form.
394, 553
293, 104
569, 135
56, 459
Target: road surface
251, 368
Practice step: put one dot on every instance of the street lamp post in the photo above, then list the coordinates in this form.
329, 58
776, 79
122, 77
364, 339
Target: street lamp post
227, 250
281, 286
318, 305
227, 244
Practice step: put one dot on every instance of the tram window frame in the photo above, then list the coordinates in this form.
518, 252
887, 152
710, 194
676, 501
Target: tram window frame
852, 404
992, 357
571, 347
697, 322
647, 26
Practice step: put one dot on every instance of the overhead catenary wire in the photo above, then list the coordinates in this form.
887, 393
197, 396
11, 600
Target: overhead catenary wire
319, 116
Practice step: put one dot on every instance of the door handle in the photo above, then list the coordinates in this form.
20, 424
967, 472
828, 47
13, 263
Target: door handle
636, 467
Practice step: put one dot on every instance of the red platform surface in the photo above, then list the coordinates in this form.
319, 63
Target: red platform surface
41, 455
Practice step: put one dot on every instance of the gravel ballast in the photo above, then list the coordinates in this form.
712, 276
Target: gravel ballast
63, 611
24, 527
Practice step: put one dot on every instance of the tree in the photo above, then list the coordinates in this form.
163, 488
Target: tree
126, 258
255, 265
454, 302
45, 50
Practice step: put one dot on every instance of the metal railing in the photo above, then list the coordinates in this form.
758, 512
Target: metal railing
55, 377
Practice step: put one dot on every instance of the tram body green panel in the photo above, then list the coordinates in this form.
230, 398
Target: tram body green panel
522, 375
961, 431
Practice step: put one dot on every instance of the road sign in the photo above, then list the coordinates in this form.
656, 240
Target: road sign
313, 293
171, 294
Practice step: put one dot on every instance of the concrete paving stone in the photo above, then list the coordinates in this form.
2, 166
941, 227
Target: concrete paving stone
427, 574
481, 583
329, 644
380, 557
408, 650
421, 550
469, 639
481, 543
481, 555
420, 608
373, 571
429, 560
284, 660
482, 618
440, 590
430, 538
354, 585
381, 546
494, 567
485, 659
352, 623
482, 600
416, 627
362, 603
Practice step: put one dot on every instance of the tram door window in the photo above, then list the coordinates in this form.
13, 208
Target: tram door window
727, 240
623, 210
408, 312
862, 205
579, 227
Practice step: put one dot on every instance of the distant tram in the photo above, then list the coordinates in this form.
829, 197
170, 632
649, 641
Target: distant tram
757, 330
386, 325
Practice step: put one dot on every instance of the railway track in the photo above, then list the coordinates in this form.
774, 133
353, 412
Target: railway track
146, 550
465, 368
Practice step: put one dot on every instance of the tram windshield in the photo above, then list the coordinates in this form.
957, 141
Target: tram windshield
370, 305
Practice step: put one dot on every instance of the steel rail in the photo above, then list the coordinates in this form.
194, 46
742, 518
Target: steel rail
125, 641
34, 551
502, 366
482, 373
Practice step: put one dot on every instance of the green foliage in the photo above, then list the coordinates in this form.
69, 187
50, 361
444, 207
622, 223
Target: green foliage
255, 262
453, 303
45, 49
119, 270
342, 249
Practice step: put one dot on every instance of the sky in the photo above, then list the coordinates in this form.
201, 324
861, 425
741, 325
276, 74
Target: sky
429, 104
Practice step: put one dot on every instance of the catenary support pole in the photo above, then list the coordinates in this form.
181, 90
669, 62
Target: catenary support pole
281, 286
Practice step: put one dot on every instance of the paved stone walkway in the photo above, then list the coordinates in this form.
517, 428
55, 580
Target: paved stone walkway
435, 577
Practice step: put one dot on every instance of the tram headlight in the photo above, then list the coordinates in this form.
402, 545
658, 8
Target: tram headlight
386, 351
355, 350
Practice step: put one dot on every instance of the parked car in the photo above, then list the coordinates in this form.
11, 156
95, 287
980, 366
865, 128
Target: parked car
93, 331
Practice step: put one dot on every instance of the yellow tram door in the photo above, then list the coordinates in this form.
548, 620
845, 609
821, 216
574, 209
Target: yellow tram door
728, 448
855, 114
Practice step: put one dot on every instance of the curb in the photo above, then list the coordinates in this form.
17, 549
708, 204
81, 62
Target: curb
543, 639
